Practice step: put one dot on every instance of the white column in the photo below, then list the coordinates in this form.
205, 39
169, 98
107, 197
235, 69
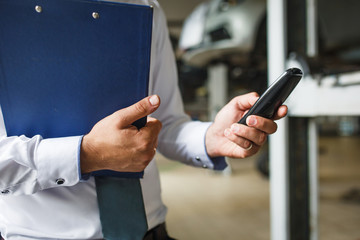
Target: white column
311, 28
217, 86
312, 51
313, 179
279, 202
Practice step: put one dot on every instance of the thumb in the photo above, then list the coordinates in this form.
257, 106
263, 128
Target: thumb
245, 102
138, 110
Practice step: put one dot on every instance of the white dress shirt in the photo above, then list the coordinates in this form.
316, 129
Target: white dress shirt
41, 194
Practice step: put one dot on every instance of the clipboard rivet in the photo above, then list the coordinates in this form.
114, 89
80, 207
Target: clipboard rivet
38, 8
95, 15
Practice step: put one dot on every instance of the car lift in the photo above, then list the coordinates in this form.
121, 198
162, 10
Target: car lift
293, 149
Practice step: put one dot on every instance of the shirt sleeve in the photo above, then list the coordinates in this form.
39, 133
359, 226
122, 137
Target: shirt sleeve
29, 165
180, 138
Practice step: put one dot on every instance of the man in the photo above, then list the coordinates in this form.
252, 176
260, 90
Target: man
43, 192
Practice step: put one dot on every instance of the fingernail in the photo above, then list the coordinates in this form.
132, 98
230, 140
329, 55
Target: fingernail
154, 100
251, 121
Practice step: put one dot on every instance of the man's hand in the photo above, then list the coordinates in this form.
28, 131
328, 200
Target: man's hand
225, 137
115, 144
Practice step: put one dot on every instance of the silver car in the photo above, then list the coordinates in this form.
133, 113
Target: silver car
217, 29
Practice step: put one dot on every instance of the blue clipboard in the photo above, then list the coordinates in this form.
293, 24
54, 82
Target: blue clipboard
66, 64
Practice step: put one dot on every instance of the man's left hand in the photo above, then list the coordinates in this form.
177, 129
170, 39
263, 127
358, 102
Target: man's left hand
226, 137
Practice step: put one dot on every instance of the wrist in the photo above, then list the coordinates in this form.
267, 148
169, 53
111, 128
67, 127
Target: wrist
89, 162
210, 142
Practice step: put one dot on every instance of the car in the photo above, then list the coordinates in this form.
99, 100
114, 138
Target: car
224, 30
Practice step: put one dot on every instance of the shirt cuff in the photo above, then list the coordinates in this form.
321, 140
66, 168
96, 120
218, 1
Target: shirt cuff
82, 176
219, 163
202, 159
58, 162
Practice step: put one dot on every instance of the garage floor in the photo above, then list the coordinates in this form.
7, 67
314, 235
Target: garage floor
206, 205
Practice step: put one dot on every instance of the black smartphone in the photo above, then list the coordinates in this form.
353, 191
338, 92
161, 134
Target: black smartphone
276, 94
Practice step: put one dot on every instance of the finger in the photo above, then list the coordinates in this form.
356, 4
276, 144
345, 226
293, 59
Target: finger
136, 111
148, 137
153, 125
281, 112
244, 153
150, 132
240, 141
241, 148
246, 101
251, 134
263, 124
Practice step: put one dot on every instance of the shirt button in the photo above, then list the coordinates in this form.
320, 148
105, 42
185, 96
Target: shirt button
205, 166
60, 181
6, 191
197, 159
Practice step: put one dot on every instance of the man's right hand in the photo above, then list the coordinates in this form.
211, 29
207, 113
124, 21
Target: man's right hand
115, 144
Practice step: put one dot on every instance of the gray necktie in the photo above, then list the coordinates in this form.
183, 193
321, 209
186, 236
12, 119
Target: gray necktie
121, 206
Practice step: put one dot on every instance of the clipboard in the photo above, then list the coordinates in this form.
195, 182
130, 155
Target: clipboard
66, 64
